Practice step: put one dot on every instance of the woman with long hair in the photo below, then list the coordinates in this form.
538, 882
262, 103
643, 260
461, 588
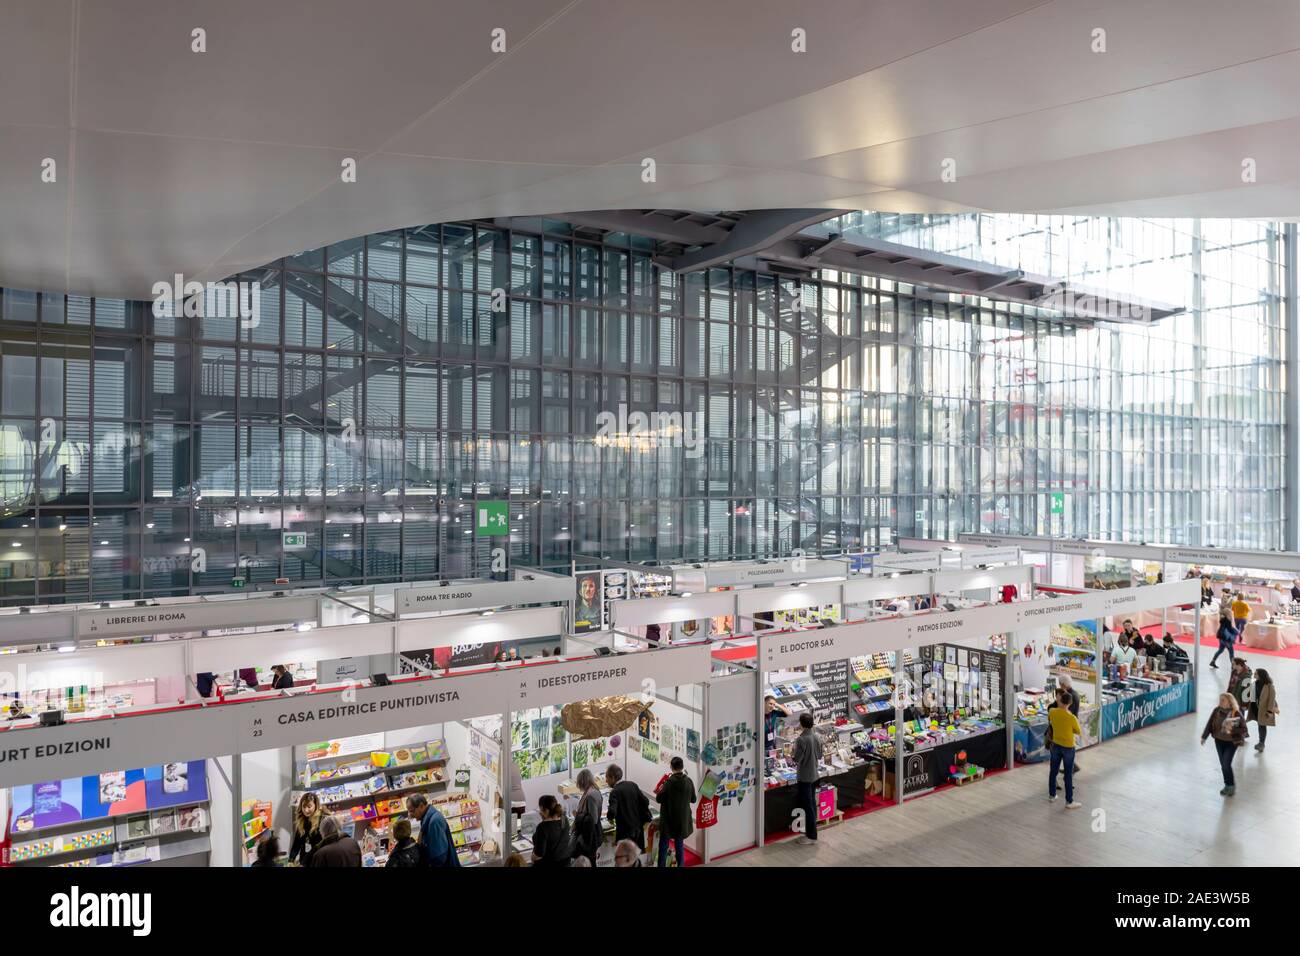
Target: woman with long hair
586, 821
1227, 635
307, 818
1263, 708
1228, 728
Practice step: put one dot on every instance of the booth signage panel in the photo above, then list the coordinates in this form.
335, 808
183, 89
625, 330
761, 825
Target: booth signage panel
197, 616
81, 748
303, 718
920, 561
37, 628
669, 610
483, 594
540, 685
973, 559
1200, 557
771, 572
753, 602
798, 648
1086, 548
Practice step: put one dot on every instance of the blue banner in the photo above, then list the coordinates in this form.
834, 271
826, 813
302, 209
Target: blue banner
1119, 717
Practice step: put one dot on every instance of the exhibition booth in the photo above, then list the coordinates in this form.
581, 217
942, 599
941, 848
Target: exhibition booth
1268, 582
911, 676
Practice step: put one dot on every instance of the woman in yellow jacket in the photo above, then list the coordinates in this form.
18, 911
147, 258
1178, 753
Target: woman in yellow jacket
1241, 613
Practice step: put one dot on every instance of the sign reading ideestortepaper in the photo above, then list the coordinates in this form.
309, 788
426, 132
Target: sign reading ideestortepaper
538, 685
80, 748
302, 718
196, 616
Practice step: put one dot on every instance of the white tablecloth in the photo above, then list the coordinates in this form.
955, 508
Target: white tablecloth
1272, 637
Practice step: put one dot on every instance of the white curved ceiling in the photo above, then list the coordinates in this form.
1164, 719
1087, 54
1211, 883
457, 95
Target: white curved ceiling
205, 164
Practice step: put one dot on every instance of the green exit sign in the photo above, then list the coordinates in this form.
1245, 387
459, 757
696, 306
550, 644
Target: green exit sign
293, 539
491, 518
1058, 503
237, 582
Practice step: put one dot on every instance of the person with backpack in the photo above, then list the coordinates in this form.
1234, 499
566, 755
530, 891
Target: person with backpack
552, 838
1227, 635
676, 794
1263, 708
629, 807
1228, 728
405, 851
587, 831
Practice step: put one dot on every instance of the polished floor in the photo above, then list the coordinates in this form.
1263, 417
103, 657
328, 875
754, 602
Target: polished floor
1149, 798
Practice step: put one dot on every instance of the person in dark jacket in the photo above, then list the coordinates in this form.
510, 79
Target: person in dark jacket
337, 850
587, 830
1227, 635
1207, 593
282, 679
675, 797
629, 807
552, 839
405, 851
307, 818
1228, 728
268, 851
435, 834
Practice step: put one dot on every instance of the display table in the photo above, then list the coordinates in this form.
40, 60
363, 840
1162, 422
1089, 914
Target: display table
1031, 735
1130, 713
779, 803
1271, 637
1183, 623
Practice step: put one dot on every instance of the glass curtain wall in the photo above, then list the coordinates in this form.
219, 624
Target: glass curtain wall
389, 383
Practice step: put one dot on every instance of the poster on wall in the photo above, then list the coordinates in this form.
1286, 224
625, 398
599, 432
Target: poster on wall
589, 612
110, 794
440, 658
1103, 574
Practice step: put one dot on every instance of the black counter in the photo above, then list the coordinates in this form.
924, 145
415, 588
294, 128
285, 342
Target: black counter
780, 802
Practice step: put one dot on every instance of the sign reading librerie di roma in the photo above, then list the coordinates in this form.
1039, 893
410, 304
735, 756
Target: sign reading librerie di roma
303, 718
563, 682
197, 616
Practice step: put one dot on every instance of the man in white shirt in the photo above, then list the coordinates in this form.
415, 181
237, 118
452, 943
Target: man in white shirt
1123, 653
